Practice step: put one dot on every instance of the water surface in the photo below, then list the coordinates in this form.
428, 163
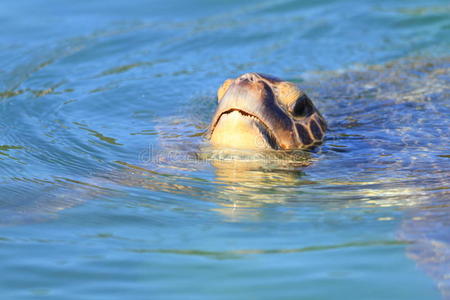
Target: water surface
105, 191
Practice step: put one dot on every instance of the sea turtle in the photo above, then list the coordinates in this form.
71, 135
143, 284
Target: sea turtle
257, 111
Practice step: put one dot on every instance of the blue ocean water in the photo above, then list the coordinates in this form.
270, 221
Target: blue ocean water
102, 193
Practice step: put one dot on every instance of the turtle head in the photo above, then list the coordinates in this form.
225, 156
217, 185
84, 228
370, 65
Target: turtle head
257, 111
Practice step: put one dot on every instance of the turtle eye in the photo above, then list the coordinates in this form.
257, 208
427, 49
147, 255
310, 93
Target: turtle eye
302, 107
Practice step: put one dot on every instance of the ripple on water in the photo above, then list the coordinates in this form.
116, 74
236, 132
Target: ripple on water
103, 167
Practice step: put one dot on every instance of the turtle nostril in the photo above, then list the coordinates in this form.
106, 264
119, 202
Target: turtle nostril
249, 77
253, 77
243, 80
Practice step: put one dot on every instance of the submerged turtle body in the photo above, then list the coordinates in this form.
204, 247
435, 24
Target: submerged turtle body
257, 111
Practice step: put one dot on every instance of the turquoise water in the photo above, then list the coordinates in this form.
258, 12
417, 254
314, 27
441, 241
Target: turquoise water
107, 193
